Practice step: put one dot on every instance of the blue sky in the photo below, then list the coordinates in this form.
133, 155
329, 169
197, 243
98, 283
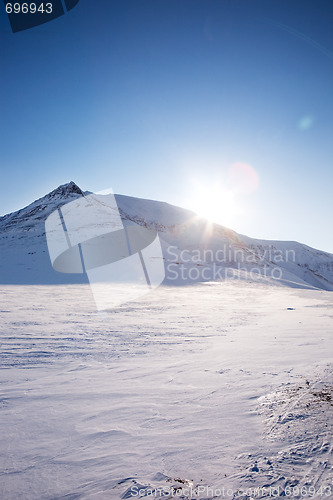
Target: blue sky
161, 98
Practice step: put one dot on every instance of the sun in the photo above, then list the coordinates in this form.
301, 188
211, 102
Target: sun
214, 203
224, 199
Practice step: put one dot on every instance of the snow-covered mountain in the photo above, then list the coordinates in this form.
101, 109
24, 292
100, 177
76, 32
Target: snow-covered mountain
193, 249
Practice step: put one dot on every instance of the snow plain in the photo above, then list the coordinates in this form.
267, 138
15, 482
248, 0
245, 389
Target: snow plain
203, 391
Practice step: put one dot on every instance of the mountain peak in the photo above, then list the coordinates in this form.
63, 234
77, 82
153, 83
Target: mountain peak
66, 189
45, 205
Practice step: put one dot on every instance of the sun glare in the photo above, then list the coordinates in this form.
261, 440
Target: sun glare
222, 202
215, 204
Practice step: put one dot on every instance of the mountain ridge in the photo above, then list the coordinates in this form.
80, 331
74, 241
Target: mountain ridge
195, 241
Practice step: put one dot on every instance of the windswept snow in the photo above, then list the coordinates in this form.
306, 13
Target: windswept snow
221, 388
211, 388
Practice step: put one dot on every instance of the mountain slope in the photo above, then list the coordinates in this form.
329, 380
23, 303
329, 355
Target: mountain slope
193, 249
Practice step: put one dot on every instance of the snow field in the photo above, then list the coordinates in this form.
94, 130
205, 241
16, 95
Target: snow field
187, 387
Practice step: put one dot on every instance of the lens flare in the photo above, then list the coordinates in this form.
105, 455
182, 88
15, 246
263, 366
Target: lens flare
242, 178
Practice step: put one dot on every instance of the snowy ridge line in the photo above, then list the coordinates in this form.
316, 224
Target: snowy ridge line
222, 252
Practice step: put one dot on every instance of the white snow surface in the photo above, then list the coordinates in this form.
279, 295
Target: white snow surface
219, 388
203, 391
